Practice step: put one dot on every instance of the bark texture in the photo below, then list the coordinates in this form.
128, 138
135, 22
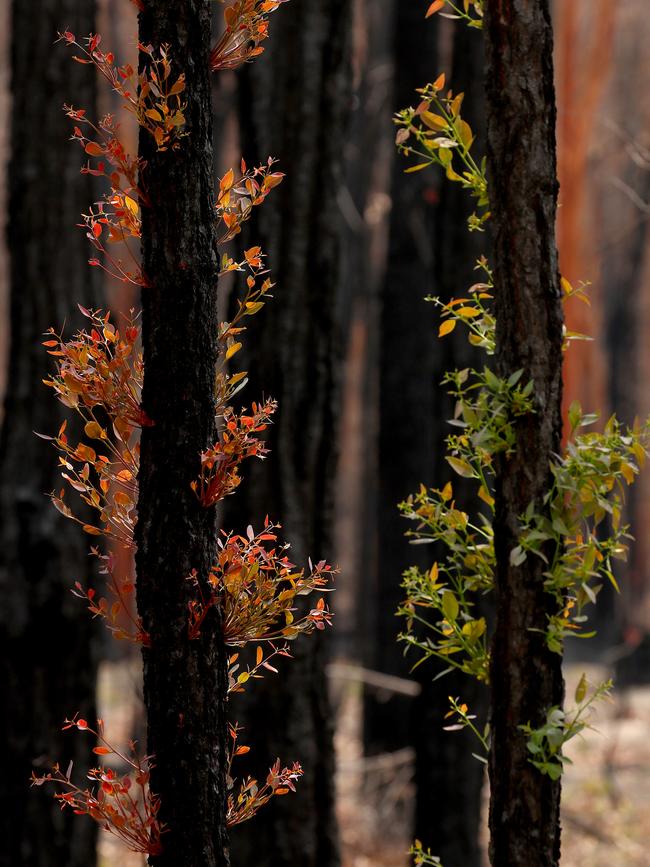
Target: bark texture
184, 682
47, 654
526, 676
293, 106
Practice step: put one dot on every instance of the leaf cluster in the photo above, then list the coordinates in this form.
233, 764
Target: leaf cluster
121, 803
99, 374
246, 26
576, 528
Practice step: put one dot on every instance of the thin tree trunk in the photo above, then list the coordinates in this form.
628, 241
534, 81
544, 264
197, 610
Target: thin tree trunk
184, 681
47, 653
293, 106
448, 778
526, 677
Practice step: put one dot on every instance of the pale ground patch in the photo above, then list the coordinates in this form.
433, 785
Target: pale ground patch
606, 791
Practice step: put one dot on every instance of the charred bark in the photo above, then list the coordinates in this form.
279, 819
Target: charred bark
46, 638
293, 106
185, 681
526, 677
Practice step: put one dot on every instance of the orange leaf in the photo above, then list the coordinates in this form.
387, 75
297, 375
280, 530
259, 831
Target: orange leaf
102, 751
94, 431
436, 6
94, 150
439, 83
227, 180
447, 327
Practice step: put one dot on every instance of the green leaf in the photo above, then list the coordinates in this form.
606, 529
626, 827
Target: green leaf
581, 689
461, 467
450, 606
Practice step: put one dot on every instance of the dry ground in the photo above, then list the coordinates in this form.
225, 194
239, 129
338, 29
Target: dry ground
606, 820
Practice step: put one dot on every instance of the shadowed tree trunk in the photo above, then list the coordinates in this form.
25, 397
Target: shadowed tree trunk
526, 676
429, 248
448, 778
185, 681
46, 637
294, 106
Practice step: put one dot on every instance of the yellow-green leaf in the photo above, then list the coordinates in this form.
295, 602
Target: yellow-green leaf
461, 467
464, 133
450, 606
485, 496
434, 121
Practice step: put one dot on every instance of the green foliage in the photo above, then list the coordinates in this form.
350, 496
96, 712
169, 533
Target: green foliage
442, 137
576, 529
545, 743
567, 530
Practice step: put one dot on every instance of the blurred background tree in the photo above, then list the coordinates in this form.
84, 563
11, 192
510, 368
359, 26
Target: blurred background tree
47, 649
294, 104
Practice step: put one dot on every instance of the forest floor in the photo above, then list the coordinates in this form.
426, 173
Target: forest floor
606, 791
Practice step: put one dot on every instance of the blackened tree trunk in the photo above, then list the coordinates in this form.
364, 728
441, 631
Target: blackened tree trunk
184, 681
430, 250
47, 653
526, 677
448, 778
293, 106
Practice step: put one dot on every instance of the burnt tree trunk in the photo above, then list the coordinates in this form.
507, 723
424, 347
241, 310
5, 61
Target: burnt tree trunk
293, 106
526, 677
46, 638
184, 681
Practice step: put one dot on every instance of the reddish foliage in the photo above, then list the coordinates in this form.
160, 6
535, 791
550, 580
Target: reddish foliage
246, 26
99, 374
256, 586
220, 463
122, 804
244, 804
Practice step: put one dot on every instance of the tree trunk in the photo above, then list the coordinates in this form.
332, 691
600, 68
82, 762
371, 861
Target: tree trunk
184, 681
526, 676
293, 106
46, 637
448, 778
